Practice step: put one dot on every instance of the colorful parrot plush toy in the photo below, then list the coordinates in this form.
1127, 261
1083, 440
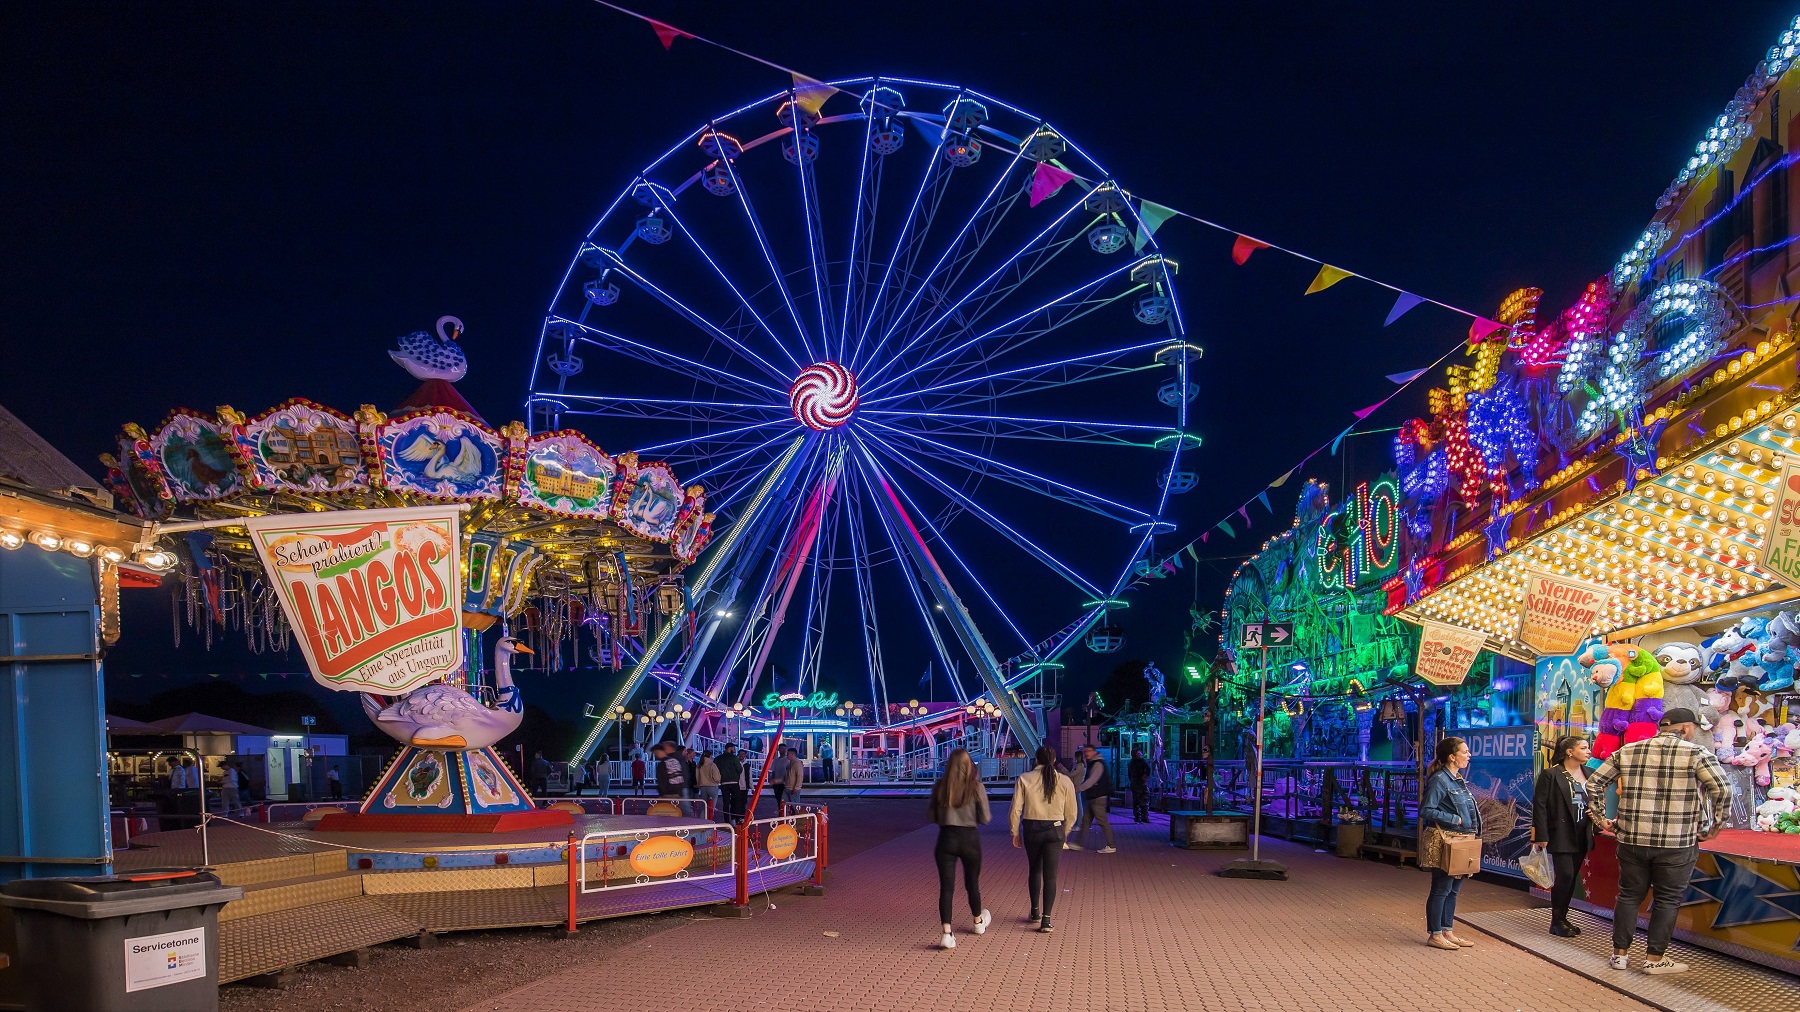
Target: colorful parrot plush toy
1634, 694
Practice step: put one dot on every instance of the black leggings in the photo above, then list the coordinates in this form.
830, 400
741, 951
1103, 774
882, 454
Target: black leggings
1043, 852
958, 842
1568, 872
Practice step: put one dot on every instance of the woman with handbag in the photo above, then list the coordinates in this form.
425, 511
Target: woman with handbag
1559, 824
1446, 812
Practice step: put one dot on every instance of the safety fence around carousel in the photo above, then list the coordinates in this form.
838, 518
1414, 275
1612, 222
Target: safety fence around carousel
1301, 799
715, 860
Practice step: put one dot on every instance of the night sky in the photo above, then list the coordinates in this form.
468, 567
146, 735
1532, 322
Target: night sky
229, 203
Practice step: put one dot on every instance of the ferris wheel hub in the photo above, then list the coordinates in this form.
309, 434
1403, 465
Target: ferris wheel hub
823, 396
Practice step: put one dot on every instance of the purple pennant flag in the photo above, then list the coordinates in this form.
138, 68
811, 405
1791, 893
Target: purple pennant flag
1402, 305
1244, 511
1403, 378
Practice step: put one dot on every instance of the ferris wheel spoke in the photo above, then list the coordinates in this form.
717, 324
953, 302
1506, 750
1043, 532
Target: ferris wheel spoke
689, 314
937, 173
714, 436
982, 297
1035, 377
1034, 323
865, 593
979, 583
749, 310
911, 580
815, 246
704, 372
762, 244
617, 406
1032, 548
818, 602
988, 467
987, 216
862, 229
1061, 430
724, 464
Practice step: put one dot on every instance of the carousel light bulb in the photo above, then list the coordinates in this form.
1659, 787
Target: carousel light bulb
112, 555
80, 549
10, 539
46, 540
158, 560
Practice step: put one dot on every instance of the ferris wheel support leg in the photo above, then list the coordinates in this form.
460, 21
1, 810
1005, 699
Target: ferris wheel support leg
1024, 728
769, 494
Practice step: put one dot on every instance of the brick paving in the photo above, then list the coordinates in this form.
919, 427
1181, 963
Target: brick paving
1148, 928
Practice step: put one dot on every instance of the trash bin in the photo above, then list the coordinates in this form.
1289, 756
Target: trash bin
142, 942
1350, 839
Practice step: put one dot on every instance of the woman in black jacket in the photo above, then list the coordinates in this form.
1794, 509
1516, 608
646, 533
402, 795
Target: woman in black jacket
1560, 824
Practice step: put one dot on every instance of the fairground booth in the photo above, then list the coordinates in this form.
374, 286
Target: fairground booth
1593, 523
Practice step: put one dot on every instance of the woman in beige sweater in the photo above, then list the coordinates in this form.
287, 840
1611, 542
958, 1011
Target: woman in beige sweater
1043, 814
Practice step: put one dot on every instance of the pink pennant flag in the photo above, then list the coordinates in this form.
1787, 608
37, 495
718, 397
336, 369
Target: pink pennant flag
1046, 180
668, 33
1362, 413
1243, 247
1480, 329
1203, 537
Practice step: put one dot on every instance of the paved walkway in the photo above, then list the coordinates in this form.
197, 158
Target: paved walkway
1148, 928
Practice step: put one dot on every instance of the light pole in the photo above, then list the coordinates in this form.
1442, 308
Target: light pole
621, 717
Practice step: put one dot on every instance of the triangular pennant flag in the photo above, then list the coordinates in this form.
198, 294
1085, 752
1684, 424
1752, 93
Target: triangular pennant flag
1277, 483
1327, 276
668, 33
1406, 301
1480, 329
1226, 526
1191, 553
1150, 218
1263, 497
1244, 511
810, 94
1046, 180
1339, 439
1362, 413
1403, 378
1243, 247
1203, 536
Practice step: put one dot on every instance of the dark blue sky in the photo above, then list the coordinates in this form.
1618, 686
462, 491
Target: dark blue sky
221, 203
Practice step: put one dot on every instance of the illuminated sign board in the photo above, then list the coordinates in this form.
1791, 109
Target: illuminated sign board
1358, 544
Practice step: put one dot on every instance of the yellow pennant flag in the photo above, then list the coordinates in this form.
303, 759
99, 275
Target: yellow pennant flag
1277, 483
810, 94
1327, 276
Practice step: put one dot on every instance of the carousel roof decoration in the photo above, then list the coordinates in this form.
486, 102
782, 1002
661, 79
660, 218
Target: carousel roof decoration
551, 513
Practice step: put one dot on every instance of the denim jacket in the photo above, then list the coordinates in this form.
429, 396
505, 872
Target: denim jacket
1449, 804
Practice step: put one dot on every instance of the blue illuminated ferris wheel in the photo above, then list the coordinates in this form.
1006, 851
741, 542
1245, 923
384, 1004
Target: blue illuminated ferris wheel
939, 403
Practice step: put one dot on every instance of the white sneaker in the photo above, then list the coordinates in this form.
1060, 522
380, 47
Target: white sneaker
982, 922
947, 942
1071, 846
1619, 962
1107, 850
1664, 965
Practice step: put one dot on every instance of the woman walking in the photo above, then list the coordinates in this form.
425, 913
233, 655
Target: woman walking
707, 776
1559, 824
1448, 805
958, 805
1043, 814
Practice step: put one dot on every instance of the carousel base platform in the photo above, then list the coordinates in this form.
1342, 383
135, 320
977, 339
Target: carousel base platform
309, 896
400, 822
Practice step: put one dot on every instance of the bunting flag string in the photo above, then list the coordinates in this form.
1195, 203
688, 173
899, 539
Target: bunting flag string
667, 33
1150, 218
1327, 276
1402, 306
1277, 483
1263, 497
1046, 180
1225, 525
1404, 378
810, 94
1480, 328
1242, 247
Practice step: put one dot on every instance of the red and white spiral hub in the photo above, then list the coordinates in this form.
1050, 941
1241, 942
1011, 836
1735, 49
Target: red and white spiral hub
823, 396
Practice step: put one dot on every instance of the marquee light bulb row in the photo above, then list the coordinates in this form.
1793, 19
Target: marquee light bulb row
83, 548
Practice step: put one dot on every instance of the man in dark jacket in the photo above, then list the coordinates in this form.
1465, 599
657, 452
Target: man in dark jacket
1096, 789
690, 768
1138, 772
671, 773
731, 775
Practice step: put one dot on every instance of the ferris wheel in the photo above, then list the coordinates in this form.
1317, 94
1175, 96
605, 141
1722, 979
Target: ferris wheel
939, 403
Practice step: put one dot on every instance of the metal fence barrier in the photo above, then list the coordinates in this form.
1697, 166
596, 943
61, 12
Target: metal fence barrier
629, 858
690, 808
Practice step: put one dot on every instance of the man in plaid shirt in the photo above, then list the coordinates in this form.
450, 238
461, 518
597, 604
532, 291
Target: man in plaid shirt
1661, 822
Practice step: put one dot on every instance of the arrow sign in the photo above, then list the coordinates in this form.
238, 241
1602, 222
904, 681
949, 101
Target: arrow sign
1276, 634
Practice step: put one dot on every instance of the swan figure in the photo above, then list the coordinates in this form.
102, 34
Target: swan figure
445, 716
439, 466
430, 357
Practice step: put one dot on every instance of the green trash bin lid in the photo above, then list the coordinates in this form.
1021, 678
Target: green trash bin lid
92, 897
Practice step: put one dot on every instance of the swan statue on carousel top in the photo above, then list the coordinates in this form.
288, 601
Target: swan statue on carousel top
441, 715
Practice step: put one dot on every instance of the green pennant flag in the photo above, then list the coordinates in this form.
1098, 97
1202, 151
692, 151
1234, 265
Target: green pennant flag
1191, 553
1150, 218
1226, 527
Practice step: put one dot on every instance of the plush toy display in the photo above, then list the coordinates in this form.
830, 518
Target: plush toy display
1777, 814
1734, 658
1757, 753
1634, 694
1683, 664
